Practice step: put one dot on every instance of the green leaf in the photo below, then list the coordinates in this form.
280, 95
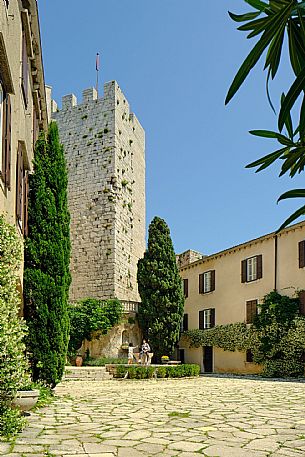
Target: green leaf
302, 120
267, 160
288, 121
295, 193
243, 17
292, 218
270, 134
291, 159
274, 52
296, 46
291, 97
261, 6
257, 51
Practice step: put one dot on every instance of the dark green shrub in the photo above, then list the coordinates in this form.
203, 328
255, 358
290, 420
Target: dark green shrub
161, 372
141, 372
120, 371
132, 372
47, 257
160, 288
150, 372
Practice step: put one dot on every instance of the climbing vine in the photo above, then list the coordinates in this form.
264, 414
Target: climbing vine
276, 338
90, 315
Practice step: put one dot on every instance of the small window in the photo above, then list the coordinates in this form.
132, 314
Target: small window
207, 282
251, 311
249, 356
185, 323
302, 254
251, 269
2, 123
186, 287
25, 70
5, 142
22, 192
206, 318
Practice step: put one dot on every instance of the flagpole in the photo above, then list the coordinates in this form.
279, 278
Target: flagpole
97, 67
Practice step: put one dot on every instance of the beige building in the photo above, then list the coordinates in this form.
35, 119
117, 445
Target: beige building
226, 287
22, 104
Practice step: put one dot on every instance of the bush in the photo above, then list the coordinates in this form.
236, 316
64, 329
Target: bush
13, 363
47, 257
177, 371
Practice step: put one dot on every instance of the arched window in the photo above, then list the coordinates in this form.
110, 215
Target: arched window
125, 337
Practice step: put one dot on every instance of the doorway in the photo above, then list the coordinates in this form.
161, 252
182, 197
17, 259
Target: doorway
208, 359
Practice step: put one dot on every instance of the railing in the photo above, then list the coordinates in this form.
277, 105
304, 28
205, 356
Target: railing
130, 306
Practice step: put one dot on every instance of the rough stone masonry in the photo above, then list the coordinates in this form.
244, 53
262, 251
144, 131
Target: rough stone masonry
105, 150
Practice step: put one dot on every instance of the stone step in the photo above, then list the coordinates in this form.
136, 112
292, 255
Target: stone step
87, 373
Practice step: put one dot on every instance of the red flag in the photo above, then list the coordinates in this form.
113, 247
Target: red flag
97, 63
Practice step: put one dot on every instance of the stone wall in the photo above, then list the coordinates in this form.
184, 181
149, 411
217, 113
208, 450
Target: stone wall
105, 151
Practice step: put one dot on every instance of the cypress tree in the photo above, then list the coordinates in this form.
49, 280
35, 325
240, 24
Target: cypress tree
47, 256
160, 288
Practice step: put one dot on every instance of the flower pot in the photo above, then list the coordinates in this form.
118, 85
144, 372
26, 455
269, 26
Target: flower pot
78, 361
26, 399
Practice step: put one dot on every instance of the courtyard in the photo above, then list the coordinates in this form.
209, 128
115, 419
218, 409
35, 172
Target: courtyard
209, 416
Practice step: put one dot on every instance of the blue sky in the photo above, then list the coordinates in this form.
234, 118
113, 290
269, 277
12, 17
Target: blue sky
174, 60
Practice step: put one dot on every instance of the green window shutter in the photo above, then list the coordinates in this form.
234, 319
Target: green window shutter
212, 280
301, 254
201, 320
201, 282
259, 266
244, 271
213, 317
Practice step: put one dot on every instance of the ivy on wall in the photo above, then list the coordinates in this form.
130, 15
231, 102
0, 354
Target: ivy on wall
276, 338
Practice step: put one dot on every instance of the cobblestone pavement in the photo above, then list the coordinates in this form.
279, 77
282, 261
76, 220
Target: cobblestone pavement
223, 417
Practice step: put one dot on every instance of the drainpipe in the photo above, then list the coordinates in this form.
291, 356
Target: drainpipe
275, 262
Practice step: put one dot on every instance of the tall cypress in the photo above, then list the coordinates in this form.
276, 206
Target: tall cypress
47, 257
160, 288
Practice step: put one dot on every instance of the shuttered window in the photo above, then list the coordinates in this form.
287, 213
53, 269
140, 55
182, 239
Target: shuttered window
185, 323
207, 282
186, 287
302, 254
249, 356
6, 139
251, 311
22, 189
25, 70
206, 318
252, 268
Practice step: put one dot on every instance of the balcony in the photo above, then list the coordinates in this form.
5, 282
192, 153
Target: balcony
130, 306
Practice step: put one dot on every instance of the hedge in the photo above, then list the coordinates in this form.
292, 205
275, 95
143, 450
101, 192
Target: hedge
138, 372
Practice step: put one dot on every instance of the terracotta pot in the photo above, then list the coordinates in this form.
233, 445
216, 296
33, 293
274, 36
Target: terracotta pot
78, 361
25, 399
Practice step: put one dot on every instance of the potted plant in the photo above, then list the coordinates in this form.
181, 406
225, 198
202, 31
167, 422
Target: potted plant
164, 359
27, 397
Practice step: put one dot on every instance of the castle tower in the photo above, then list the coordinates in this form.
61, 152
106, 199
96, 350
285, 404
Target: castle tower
105, 150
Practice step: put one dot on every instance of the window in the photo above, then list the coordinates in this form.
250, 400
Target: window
207, 282
206, 318
5, 143
186, 287
21, 192
185, 323
302, 254
251, 311
251, 269
249, 356
25, 70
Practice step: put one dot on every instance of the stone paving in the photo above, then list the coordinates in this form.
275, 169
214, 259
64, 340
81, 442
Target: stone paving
208, 416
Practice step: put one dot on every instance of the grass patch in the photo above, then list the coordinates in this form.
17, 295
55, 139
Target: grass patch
179, 414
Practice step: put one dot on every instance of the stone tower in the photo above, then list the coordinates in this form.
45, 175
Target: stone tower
105, 151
